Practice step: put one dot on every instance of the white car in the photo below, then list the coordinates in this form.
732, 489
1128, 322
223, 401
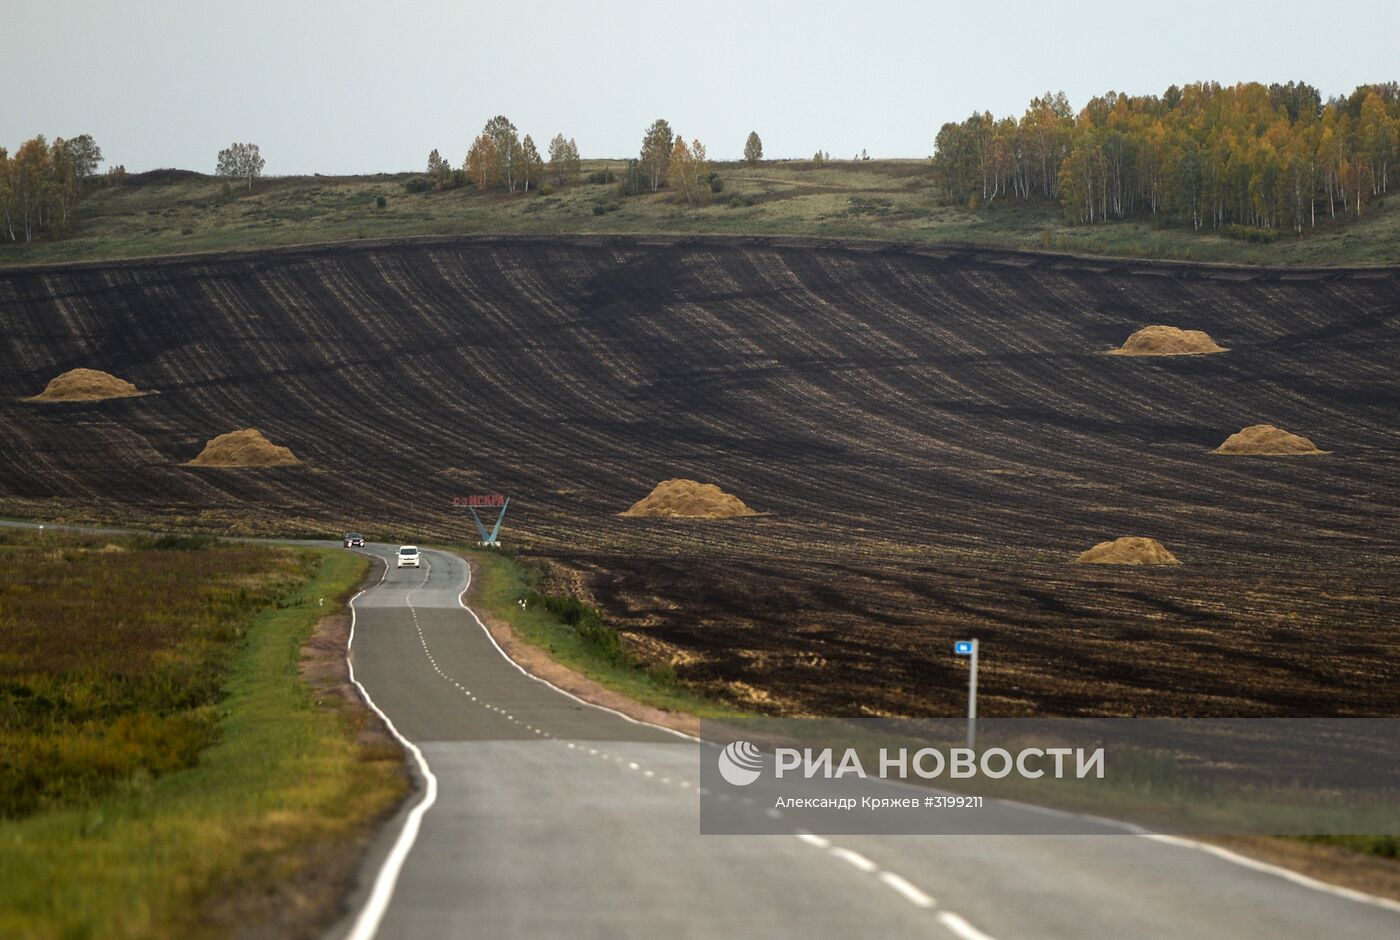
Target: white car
408, 556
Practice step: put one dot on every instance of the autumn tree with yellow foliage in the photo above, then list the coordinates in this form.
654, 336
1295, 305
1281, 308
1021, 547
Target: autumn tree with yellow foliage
688, 172
1260, 157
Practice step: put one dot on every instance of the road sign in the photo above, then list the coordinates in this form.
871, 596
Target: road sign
969, 648
491, 538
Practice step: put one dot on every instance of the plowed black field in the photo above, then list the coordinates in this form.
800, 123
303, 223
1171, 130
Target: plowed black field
933, 436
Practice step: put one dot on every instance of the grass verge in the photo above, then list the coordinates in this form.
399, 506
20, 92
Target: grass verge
575, 635
198, 852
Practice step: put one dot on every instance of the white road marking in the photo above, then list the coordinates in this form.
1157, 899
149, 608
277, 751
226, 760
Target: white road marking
1287, 874
961, 927
367, 923
525, 672
388, 874
854, 858
911, 894
1221, 853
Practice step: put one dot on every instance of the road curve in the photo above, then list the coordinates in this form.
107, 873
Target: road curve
555, 818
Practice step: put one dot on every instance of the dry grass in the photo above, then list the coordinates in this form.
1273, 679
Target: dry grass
1168, 341
87, 385
687, 499
111, 661
1266, 440
245, 448
197, 657
1129, 550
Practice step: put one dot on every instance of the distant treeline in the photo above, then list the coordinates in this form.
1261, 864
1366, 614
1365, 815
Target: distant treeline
1263, 156
500, 159
41, 184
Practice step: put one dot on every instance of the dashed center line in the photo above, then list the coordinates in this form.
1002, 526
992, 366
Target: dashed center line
897, 883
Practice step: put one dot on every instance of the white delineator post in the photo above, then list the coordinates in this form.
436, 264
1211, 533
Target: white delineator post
969, 648
972, 700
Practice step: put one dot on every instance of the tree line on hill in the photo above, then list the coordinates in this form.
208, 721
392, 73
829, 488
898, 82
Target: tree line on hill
41, 184
500, 159
1265, 157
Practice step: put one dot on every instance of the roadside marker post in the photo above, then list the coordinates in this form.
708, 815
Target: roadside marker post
969, 648
489, 539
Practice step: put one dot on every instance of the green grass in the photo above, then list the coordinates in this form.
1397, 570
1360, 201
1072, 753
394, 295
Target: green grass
893, 200
113, 656
160, 855
584, 643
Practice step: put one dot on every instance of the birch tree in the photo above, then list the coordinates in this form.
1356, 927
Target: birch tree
657, 145
753, 149
240, 161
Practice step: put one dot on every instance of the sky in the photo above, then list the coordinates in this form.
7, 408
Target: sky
360, 87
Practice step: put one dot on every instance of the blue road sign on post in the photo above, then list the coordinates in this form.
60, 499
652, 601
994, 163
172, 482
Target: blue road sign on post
969, 648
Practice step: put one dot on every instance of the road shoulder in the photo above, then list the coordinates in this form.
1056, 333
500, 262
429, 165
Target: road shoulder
538, 663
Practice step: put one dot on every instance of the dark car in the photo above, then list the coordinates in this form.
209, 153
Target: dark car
354, 540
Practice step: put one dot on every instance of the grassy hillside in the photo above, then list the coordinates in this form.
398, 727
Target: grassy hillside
169, 212
931, 436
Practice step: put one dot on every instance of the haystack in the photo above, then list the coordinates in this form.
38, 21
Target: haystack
245, 448
687, 499
1168, 341
1129, 550
1265, 440
87, 385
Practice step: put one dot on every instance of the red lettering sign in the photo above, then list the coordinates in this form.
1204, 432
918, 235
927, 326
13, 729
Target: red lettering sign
481, 501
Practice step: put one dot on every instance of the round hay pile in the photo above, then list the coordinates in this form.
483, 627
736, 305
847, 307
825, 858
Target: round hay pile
1129, 550
87, 385
1168, 341
1265, 440
245, 448
687, 499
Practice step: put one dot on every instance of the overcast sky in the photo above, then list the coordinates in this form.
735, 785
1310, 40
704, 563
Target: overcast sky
353, 86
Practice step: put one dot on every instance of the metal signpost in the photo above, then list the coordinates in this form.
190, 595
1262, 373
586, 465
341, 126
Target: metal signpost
969, 648
489, 501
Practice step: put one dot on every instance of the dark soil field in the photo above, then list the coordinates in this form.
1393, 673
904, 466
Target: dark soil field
932, 437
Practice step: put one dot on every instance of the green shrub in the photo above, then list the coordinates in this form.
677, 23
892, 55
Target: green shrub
587, 622
1248, 233
634, 180
602, 177
417, 184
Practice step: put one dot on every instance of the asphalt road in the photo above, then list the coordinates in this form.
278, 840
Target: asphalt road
554, 818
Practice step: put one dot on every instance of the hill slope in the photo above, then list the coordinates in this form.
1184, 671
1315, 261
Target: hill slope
932, 438
173, 211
